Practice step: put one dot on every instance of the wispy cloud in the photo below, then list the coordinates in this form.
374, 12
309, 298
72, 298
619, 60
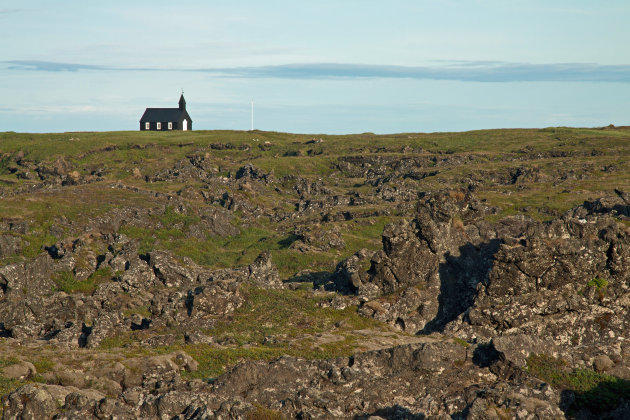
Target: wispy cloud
474, 71
10, 11
55, 109
464, 71
51, 66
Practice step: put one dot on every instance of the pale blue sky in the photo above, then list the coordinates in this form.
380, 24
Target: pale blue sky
316, 66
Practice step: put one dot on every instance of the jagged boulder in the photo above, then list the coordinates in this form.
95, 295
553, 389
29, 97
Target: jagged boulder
428, 269
263, 272
30, 278
11, 245
215, 299
565, 284
173, 273
150, 291
214, 221
48, 401
406, 259
251, 172
351, 273
54, 171
449, 269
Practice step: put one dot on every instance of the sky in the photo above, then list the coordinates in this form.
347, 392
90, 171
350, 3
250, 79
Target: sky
317, 66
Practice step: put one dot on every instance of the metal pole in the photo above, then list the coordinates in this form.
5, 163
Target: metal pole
252, 115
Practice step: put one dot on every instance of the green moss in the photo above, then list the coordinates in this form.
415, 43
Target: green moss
214, 361
8, 362
597, 282
36, 243
172, 218
292, 319
8, 385
461, 342
147, 237
140, 310
236, 250
66, 282
117, 342
5, 162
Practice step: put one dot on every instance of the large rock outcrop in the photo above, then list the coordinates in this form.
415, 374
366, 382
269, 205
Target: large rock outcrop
130, 292
427, 272
564, 282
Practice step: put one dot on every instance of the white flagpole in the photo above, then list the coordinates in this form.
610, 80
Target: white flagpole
252, 115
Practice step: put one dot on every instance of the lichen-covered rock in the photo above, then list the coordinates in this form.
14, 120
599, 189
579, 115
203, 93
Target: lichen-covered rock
35, 401
143, 293
28, 278
20, 371
427, 272
215, 299
565, 284
10, 245
351, 273
263, 272
249, 171
171, 272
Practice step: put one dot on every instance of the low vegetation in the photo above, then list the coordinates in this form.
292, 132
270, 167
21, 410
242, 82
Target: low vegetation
597, 282
598, 392
310, 201
65, 281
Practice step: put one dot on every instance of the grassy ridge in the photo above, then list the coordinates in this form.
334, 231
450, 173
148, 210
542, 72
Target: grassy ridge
595, 159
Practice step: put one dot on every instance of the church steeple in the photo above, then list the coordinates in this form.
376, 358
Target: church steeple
182, 102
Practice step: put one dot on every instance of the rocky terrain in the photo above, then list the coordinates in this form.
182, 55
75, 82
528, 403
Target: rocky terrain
258, 275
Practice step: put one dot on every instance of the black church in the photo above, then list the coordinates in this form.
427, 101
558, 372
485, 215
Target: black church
165, 119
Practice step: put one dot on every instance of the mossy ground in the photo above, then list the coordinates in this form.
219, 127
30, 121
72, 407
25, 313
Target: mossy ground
599, 158
595, 391
597, 161
270, 324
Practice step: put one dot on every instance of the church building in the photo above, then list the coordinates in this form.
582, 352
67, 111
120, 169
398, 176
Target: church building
164, 119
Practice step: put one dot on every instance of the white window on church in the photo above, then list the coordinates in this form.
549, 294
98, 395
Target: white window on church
159, 126
147, 126
170, 126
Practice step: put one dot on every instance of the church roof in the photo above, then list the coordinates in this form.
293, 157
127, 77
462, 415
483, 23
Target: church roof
163, 115
167, 114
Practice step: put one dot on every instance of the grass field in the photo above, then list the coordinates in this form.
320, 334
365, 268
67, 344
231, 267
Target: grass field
312, 201
596, 161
